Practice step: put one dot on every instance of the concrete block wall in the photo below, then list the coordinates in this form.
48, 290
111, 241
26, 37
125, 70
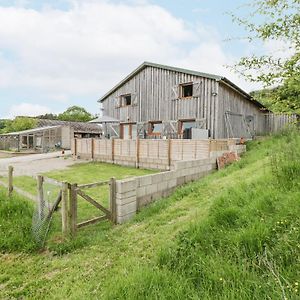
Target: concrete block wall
239, 149
134, 193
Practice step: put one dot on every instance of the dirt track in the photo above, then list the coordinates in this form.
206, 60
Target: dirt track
34, 164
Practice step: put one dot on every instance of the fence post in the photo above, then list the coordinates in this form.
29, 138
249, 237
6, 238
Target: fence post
137, 164
40, 196
169, 153
64, 207
73, 209
93, 148
113, 204
113, 150
10, 180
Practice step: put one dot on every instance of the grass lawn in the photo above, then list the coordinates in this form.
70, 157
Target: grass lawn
232, 235
81, 174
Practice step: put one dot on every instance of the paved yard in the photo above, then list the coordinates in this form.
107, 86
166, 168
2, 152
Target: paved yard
34, 164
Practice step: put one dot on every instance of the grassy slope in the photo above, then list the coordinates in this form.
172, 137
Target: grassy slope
229, 236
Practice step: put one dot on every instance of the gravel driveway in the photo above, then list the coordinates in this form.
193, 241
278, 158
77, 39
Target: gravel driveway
34, 164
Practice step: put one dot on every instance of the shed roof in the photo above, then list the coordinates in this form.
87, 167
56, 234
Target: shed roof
84, 127
105, 119
181, 70
29, 131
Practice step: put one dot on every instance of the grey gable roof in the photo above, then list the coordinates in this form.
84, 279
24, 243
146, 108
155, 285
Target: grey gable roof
185, 71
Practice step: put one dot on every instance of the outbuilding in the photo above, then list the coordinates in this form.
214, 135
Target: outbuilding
49, 135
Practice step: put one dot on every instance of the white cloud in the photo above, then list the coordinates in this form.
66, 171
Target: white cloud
27, 109
85, 50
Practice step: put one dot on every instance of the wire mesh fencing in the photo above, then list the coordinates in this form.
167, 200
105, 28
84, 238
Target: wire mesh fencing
48, 197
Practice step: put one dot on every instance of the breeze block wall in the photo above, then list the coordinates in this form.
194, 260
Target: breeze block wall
134, 193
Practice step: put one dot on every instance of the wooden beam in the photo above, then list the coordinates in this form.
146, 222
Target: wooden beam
40, 196
92, 221
73, 210
112, 198
93, 148
92, 185
64, 208
93, 202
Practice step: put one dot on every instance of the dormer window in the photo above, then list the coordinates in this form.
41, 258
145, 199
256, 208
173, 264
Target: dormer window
186, 90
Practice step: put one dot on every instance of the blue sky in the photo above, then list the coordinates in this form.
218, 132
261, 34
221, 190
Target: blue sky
54, 54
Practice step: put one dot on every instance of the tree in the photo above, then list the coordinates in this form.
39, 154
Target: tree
19, 124
47, 117
2, 124
76, 114
280, 23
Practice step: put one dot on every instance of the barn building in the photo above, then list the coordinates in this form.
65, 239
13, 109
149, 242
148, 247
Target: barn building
157, 101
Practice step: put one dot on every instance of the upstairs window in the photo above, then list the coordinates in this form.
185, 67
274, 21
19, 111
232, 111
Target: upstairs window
186, 90
126, 100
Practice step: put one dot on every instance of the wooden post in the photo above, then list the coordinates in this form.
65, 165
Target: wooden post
137, 164
73, 210
113, 150
113, 204
93, 148
10, 180
209, 147
169, 153
75, 148
40, 191
64, 208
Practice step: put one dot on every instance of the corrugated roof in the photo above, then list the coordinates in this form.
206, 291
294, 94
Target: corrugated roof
29, 131
77, 126
185, 71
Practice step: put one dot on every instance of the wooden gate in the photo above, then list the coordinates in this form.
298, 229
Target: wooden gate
76, 191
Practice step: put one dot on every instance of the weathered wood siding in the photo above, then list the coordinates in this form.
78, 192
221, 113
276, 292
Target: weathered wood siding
153, 99
156, 100
232, 101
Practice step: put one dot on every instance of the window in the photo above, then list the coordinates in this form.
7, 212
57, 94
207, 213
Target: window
128, 131
156, 128
126, 100
185, 125
186, 90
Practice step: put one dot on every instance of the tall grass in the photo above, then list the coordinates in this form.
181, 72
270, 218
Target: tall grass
15, 224
247, 248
